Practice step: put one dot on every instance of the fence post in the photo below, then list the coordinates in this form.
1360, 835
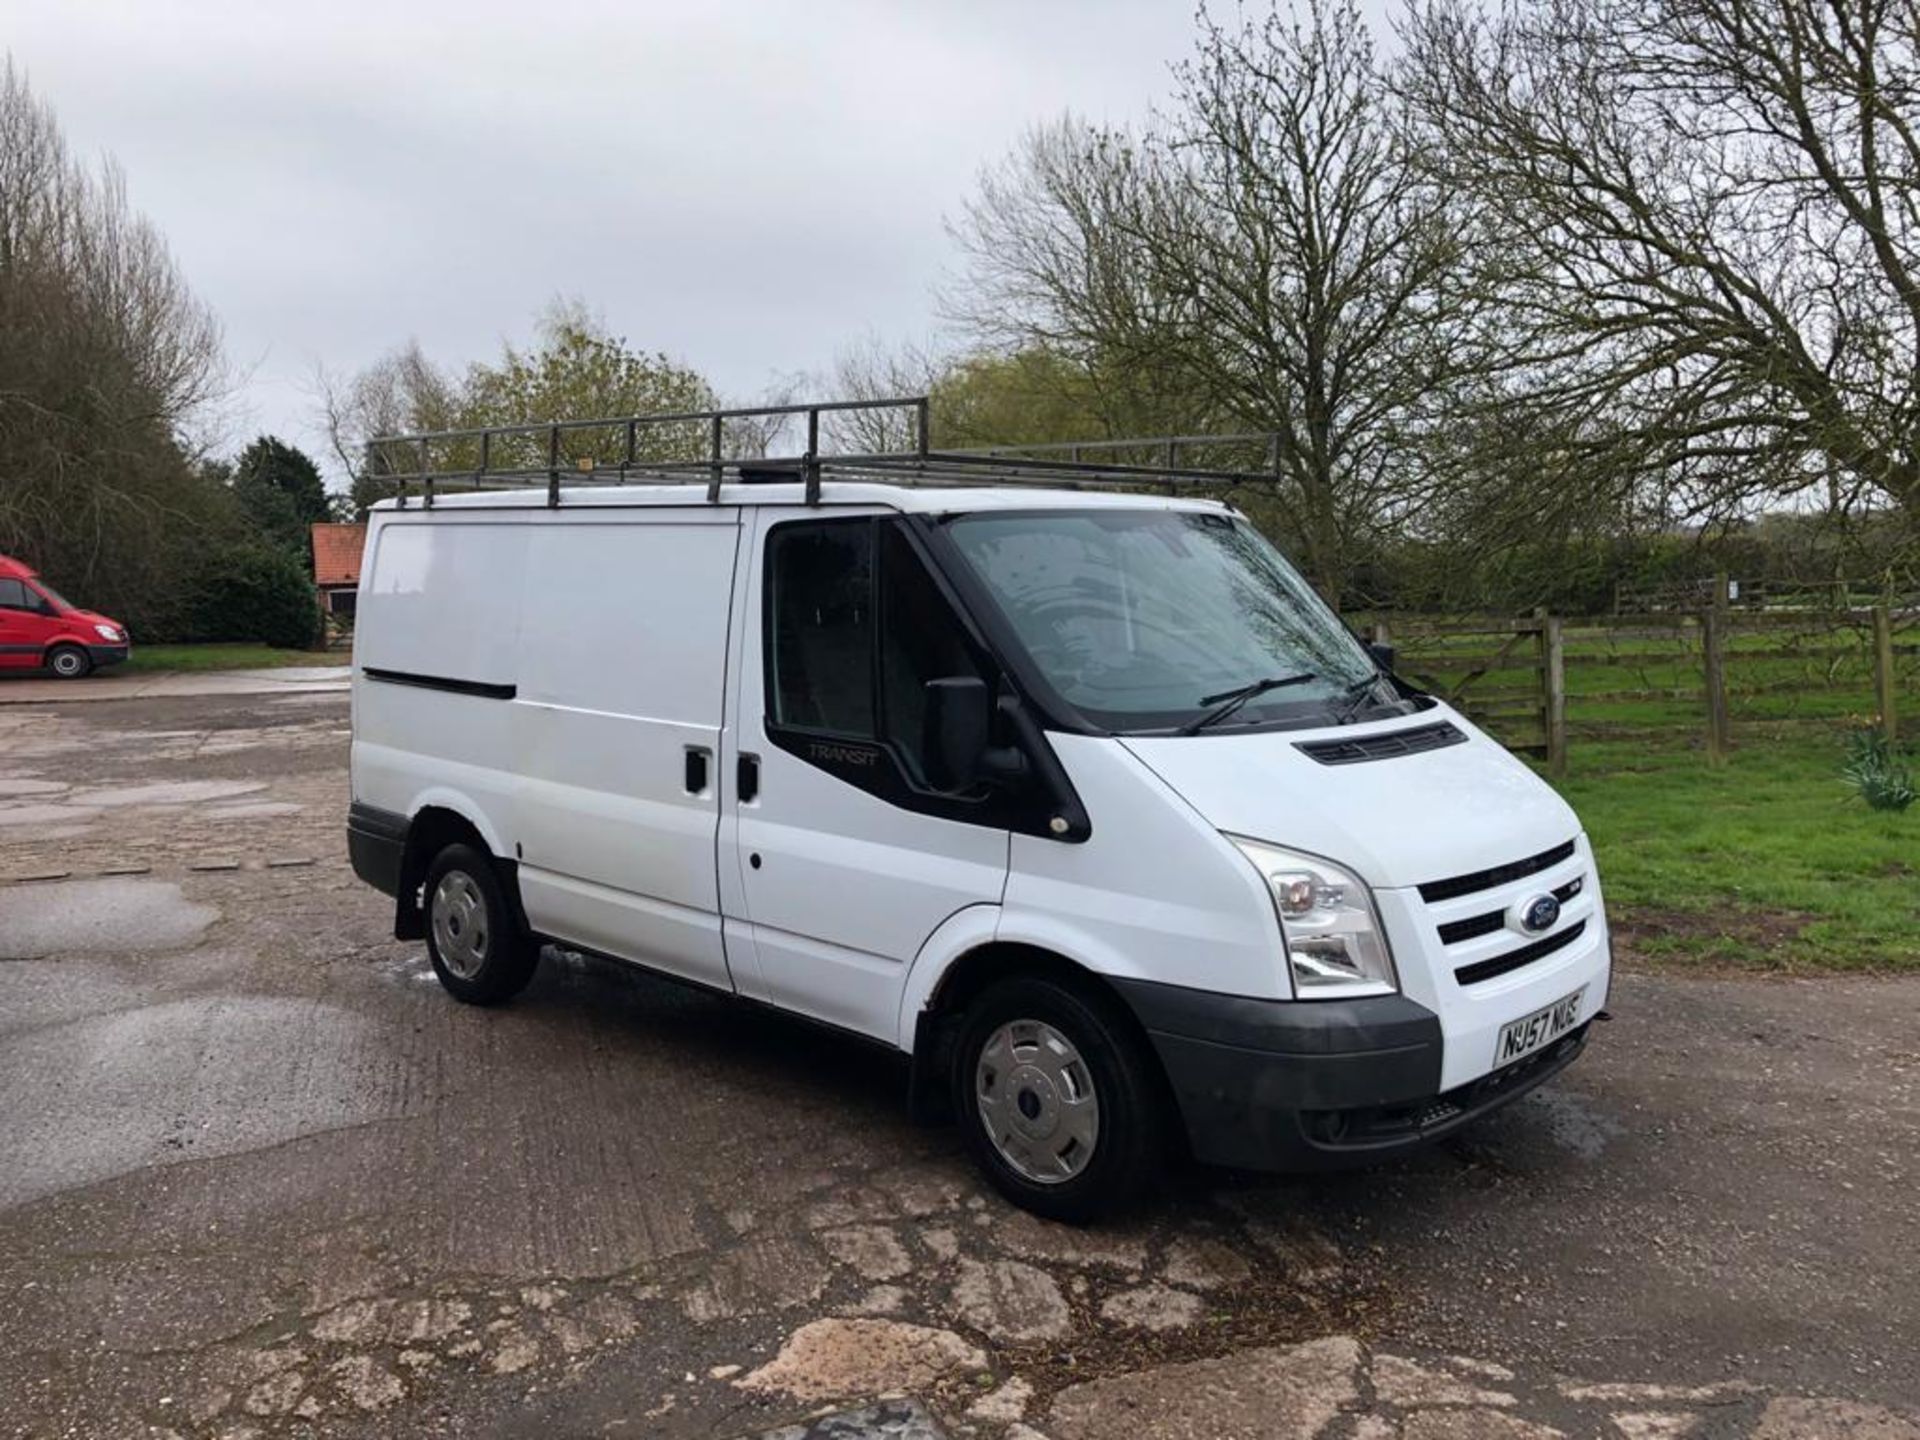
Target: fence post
1883, 677
1713, 639
1553, 691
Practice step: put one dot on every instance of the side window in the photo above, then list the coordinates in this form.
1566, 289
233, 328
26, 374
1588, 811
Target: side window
14, 596
821, 626
920, 640
857, 628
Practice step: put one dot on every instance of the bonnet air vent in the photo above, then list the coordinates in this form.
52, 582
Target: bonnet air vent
1436, 736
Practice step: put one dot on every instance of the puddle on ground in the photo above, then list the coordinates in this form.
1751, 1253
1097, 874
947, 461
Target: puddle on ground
108, 1094
302, 674
227, 746
20, 786
98, 915
47, 815
175, 792
64, 832
1573, 1123
251, 810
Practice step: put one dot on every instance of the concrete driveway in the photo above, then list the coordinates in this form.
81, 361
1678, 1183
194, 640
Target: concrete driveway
260, 1177
152, 685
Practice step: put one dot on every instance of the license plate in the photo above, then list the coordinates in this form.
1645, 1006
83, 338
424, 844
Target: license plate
1527, 1034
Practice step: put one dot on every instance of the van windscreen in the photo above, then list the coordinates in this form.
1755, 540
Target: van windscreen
1143, 619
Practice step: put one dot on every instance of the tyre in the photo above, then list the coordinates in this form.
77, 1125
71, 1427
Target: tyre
1058, 1098
473, 936
69, 662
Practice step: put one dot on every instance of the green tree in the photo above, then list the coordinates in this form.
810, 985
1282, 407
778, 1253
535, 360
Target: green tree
246, 590
1029, 396
280, 490
577, 368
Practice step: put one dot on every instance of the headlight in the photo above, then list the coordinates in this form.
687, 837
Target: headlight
106, 632
1336, 948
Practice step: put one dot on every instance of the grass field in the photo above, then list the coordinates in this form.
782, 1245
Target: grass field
1769, 862
1640, 683
224, 657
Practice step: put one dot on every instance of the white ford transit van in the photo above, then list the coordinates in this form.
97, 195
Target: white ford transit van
1084, 801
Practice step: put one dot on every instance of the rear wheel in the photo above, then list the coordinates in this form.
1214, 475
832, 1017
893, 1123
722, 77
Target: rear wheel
473, 937
1058, 1099
69, 662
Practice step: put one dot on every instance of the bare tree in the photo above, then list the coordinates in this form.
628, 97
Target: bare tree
1265, 257
576, 370
105, 358
871, 369
401, 393
1707, 218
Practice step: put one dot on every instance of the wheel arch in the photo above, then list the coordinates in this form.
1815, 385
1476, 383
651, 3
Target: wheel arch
65, 642
434, 825
935, 1020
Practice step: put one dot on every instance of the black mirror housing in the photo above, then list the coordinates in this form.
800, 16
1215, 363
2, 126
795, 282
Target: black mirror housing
1383, 655
956, 729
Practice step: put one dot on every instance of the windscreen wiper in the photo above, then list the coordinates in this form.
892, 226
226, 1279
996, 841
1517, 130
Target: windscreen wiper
1355, 697
1228, 701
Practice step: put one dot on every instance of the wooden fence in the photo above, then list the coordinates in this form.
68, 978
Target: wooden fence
1690, 596
1648, 677
1510, 674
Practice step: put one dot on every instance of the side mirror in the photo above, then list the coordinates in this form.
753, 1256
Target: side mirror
1383, 655
954, 731
954, 738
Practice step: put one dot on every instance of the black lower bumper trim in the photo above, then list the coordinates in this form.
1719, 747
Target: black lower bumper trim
376, 843
1353, 1136
1279, 1085
107, 654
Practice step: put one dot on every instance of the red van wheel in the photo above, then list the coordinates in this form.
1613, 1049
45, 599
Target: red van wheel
69, 662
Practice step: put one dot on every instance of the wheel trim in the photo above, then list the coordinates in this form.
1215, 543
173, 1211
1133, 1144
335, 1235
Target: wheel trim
65, 662
1036, 1100
459, 916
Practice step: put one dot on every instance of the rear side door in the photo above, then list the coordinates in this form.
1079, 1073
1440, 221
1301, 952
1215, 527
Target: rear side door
623, 659
24, 627
839, 861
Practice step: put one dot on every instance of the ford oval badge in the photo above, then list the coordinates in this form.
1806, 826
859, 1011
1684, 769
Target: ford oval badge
1539, 913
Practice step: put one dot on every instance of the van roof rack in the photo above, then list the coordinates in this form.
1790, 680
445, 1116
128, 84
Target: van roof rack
674, 447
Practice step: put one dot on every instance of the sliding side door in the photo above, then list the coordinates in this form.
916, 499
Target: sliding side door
623, 684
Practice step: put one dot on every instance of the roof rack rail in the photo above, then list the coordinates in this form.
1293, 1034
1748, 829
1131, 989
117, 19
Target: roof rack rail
674, 447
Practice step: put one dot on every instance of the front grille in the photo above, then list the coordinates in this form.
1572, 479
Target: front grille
1506, 874
1386, 746
1525, 955
1474, 926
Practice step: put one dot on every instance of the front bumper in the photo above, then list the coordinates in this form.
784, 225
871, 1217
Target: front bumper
1277, 1085
103, 655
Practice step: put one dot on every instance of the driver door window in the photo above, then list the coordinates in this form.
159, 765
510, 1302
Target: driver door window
857, 627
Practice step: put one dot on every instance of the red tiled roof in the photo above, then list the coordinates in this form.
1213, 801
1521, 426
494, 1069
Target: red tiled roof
336, 553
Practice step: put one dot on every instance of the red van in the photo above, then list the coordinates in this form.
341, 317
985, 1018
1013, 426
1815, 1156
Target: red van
38, 628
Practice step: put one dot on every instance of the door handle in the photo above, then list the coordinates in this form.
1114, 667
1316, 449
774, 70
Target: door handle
746, 778
698, 757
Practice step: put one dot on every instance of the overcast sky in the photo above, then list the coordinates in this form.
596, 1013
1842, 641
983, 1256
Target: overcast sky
746, 186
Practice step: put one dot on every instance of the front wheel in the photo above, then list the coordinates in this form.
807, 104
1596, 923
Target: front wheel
1058, 1098
69, 662
473, 936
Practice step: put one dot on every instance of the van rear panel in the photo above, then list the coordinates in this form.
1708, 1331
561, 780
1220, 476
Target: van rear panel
547, 680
